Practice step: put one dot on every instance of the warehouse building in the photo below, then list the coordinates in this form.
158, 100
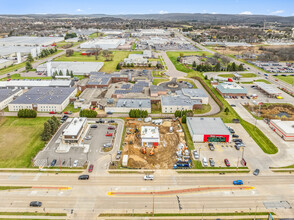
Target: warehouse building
136, 59
104, 44
7, 95
269, 89
149, 136
185, 99
231, 89
5, 63
27, 84
75, 131
77, 68
285, 129
125, 105
29, 41
208, 130
44, 99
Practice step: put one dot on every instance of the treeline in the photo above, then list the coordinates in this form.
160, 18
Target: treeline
137, 113
27, 113
204, 67
47, 52
88, 113
276, 54
70, 35
184, 114
50, 127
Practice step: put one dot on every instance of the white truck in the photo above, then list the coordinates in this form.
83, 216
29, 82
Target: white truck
125, 160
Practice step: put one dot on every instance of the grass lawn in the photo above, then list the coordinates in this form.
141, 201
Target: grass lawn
157, 81
228, 75
11, 68
18, 76
20, 140
158, 73
70, 108
189, 81
205, 108
14, 187
188, 137
287, 79
248, 75
258, 80
134, 46
155, 108
108, 67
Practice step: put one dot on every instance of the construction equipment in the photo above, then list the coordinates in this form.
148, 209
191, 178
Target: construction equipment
151, 153
143, 150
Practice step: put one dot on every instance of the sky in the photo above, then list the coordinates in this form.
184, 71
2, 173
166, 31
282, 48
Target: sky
264, 7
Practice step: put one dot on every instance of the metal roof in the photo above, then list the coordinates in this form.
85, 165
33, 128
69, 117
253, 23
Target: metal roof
205, 125
194, 93
44, 95
36, 83
268, 88
133, 103
7, 50
231, 87
6, 93
25, 40
74, 127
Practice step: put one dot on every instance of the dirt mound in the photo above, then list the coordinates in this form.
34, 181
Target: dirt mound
137, 162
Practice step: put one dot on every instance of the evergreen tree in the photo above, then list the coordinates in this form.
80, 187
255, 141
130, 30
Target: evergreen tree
28, 66
194, 64
71, 74
118, 66
60, 73
227, 110
67, 73
47, 132
217, 67
30, 58
184, 119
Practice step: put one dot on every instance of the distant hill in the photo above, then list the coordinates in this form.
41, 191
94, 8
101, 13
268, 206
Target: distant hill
196, 17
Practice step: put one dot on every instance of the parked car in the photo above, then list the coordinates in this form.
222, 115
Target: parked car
84, 177
107, 145
93, 126
90, 169
64, 118
111, 128
256, 172
53, 162
235, 136
118, 155
88, 137
75, 163
196, 155
35, 204
237, 140
211, 147
237, 147
227, 162
67, 113
111, 121
211, 161
100, 121
109, 113
52, 113
232, 105
109, 134
204, 162
238, 182
148, 177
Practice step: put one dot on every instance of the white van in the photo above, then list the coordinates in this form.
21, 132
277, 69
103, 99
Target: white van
204, 162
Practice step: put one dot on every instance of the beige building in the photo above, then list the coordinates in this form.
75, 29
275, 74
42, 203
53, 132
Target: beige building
7, 96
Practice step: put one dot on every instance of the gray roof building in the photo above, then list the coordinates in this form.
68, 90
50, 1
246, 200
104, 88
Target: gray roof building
231, 88
6, 93
133, 103
35, 83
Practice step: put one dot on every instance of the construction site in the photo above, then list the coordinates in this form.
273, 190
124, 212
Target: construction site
154, 144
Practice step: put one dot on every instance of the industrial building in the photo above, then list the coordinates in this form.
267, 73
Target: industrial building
125, 105
285, 129
29, 41
44, 99
19, 52
5, 63
73, 133
104, 44
269, 89
27, 84
136, 59
150, 32
7, 95
185, 99
208, 130
231, 89
149, 136
77, 68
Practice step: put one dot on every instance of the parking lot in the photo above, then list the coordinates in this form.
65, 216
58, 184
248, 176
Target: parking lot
95, 138
275, 67
253, 155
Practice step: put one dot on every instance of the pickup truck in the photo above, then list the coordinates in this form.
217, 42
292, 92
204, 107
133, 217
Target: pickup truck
182, 164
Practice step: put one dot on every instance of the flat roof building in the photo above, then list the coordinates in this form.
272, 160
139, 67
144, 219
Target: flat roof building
7, 95
269, 89
74, 131
208, 130
27, 84
285, 129
104, 43
29, 41
231, 89
125, 105
77, 68
149, 136
5, 63
44, 99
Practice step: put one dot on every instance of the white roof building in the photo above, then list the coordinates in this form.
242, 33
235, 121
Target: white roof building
285, 129
136, 59
104, 44
149, 136
29, 41
73, 133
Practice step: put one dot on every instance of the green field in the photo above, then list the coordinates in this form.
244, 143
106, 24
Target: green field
109, 66
248, 75
20, 140
156, 81
228, 75
205, 108
287, 79
18, 76
11, 68
70, 108
258, 80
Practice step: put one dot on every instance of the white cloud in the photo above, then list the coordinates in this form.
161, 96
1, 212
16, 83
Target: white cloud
79, 10
246, 13
278, 12
213, 13
163, 12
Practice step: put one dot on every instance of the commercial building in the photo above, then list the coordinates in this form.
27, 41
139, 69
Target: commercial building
149, 136
44, 99
7, 95
208, 130
104, 44
136, 59
73, 133
5, 63
269, 89
29, 41
156, 91
185, 99
125, 105
27, 84
231, 89
77, 68
285, 129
